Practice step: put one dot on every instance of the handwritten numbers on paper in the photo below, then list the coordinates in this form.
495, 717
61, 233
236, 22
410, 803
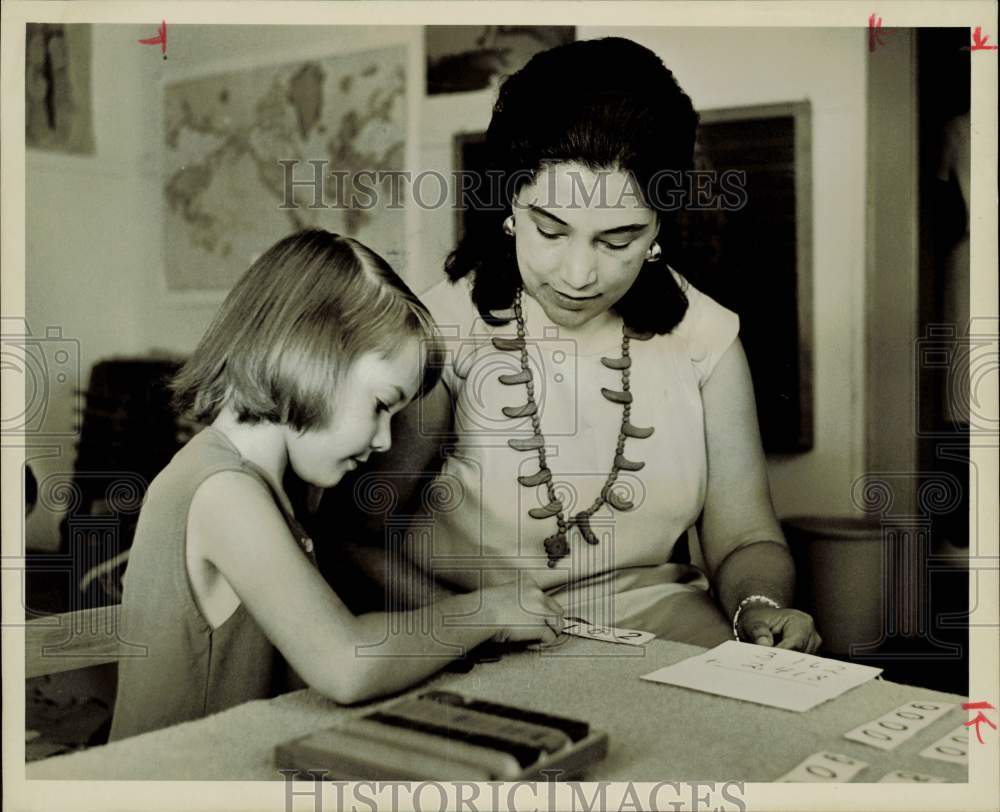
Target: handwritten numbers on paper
824, 768
897, 726
769, 676
772, 662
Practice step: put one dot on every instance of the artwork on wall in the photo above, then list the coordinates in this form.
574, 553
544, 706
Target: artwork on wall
754, 258
57, 113
462, 58
244, 149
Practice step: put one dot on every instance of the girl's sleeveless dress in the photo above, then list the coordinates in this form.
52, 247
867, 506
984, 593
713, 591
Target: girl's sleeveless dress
181, 668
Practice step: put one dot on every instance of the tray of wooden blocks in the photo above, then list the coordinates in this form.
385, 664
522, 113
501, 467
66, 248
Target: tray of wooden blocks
446, 736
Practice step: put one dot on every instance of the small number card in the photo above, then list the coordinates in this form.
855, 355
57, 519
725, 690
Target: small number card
891, 730
608, 634
825, 768
765, 675
954, 747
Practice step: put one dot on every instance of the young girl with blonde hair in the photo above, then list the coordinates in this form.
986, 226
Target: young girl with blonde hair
312, 353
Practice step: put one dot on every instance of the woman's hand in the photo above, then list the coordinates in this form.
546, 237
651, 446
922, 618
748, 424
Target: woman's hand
781, 628
523, 612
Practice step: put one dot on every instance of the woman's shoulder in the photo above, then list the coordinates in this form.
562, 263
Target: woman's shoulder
708, 328
449, 300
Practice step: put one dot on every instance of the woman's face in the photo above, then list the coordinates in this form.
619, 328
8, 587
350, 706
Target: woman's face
375, 388
581, 238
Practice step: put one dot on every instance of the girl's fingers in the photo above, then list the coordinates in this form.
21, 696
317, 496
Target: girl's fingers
554, 606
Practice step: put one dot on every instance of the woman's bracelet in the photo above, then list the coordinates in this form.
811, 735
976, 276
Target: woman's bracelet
743, 603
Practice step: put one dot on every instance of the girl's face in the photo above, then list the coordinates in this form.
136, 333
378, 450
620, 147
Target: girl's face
374, 389
581, 239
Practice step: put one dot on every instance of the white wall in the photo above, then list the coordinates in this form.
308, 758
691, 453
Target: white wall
84, 253
94, 241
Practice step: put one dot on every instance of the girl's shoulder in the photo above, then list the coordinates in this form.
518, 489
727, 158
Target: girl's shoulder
204, 456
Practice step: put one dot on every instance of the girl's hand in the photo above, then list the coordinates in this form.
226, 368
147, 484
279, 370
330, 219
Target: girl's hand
781, 628
523, 611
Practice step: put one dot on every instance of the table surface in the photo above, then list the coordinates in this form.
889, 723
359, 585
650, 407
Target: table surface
657, 732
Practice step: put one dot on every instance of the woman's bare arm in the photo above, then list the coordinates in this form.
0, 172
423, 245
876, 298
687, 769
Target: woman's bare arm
741, 539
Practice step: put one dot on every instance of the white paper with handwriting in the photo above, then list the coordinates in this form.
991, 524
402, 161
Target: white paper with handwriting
765, 675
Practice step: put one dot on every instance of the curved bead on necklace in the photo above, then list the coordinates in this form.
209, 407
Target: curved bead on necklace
556, 545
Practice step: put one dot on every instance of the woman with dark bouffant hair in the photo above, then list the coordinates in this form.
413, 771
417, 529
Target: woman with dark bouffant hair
314, 350
597, 407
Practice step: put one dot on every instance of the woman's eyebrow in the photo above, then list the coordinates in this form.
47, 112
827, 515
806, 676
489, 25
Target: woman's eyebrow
630, 228
538, 210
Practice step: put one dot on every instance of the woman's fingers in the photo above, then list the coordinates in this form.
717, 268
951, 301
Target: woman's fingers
796, 631
759, 632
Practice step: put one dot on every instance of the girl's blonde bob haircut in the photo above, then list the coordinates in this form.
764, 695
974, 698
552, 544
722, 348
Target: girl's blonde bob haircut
292, 326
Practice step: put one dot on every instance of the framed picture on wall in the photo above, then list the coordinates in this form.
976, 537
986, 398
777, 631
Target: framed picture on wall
466, 58
58, 112
241, 146
754, 258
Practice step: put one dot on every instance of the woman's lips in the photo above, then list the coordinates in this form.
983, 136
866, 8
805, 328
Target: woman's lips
572, 302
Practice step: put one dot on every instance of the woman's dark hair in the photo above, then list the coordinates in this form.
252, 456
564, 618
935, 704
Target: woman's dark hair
608, 104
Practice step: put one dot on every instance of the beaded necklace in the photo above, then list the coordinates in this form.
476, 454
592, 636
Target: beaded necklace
556, 545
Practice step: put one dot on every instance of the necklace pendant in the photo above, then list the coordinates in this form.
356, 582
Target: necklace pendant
519, 377
615, 396
551, 509
624, 464
617, 363
634, 431
508, 344
527, 410
618, 502
556, 547
526, 443
543, 476
582, 520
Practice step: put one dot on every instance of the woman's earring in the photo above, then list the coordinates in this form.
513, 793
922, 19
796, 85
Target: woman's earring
654, 252
508, 226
